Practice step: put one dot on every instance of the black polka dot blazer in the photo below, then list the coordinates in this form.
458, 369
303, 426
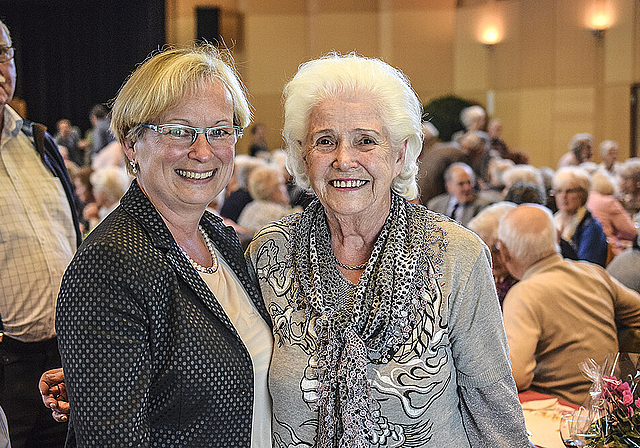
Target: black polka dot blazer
150, 357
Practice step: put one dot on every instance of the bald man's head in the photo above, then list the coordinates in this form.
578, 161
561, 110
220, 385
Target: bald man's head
529, 235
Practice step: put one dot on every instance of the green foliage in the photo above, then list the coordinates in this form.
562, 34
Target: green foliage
444, 113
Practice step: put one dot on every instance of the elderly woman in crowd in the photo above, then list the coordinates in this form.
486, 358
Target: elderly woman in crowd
485, 224
108, 186
609, 154
580, 150
573, 221
161, 329
270, 198
387, 328
615, 221
629, 174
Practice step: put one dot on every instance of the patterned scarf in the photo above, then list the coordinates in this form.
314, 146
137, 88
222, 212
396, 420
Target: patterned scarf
392, 294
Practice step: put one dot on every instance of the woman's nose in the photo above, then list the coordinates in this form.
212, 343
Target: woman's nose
200, 149
345, 156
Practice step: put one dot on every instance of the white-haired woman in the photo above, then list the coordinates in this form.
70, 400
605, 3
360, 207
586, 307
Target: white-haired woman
573, 221
616, 222
386, 323
268, 189
629, 174
109, 185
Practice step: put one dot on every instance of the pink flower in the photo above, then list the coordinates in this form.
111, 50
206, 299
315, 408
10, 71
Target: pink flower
637, 403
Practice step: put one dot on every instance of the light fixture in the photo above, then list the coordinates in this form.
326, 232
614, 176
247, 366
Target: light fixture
490, 36
600, 17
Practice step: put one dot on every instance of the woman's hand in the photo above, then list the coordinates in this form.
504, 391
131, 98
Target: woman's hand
54, 394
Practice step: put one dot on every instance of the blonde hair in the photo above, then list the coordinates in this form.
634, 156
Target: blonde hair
163, 80
602, 183
336, 75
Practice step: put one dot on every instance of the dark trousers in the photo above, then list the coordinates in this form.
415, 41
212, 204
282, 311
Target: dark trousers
30, 422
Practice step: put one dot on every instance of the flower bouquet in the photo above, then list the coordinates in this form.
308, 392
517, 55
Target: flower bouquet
614, 403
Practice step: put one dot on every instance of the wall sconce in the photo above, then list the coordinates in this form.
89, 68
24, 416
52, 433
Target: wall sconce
489, 37
600, 19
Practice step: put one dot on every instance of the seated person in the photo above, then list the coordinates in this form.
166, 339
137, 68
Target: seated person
573, 221
626, 267
561, 312
485, 225
523, 192
460, 202
271, 199
616, 222
237, 194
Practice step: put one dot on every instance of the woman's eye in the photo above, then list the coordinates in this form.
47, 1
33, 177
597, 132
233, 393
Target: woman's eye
176, 132
366, 143
324, 144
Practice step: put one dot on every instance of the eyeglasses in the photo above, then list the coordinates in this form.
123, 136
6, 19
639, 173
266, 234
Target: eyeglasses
183, 135
6, 53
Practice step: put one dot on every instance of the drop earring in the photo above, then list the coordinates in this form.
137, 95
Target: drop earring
134, 167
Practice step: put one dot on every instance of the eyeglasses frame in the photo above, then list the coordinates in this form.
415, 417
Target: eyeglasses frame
205, 131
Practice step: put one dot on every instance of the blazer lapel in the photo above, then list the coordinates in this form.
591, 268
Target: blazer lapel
226, 241
139, 206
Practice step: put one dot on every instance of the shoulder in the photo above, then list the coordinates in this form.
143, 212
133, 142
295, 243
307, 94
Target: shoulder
458, 245
441, 199
275, 233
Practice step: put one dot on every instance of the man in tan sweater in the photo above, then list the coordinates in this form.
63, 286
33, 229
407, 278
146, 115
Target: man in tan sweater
561, 312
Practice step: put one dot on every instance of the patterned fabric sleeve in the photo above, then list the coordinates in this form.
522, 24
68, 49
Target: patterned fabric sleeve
103, 337
491, 413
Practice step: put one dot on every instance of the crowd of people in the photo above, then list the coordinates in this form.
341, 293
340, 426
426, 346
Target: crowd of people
365, 286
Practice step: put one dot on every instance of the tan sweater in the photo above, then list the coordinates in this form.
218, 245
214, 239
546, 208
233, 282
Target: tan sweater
561, 313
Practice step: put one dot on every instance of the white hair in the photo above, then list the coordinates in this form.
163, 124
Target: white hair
573, 177
112, 181
336, 75
528, 239
605, 146
485, 223
526, 173
578, 140
470, 114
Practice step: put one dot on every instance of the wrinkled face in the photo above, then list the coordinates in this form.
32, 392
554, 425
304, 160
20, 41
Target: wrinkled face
349, 159
186, 179
569, 198
7, 73
460, 185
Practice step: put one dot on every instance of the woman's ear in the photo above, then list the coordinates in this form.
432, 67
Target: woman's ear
128, 146
399, 163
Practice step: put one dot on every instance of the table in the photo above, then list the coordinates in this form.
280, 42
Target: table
542, 417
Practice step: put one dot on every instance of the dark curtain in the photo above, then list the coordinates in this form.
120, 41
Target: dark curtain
73, 54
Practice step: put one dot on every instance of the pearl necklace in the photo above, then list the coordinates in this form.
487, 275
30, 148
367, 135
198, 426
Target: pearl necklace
214, 259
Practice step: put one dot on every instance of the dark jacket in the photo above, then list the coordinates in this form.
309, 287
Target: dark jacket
46, 147
150, 357
589, 241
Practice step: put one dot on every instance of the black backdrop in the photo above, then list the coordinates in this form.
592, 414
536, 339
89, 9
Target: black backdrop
72, 54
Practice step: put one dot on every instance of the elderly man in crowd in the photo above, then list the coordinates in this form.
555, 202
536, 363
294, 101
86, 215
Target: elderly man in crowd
561, 312
460, 202
40, 233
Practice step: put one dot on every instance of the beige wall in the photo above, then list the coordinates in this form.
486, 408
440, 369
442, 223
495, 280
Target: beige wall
548, 76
